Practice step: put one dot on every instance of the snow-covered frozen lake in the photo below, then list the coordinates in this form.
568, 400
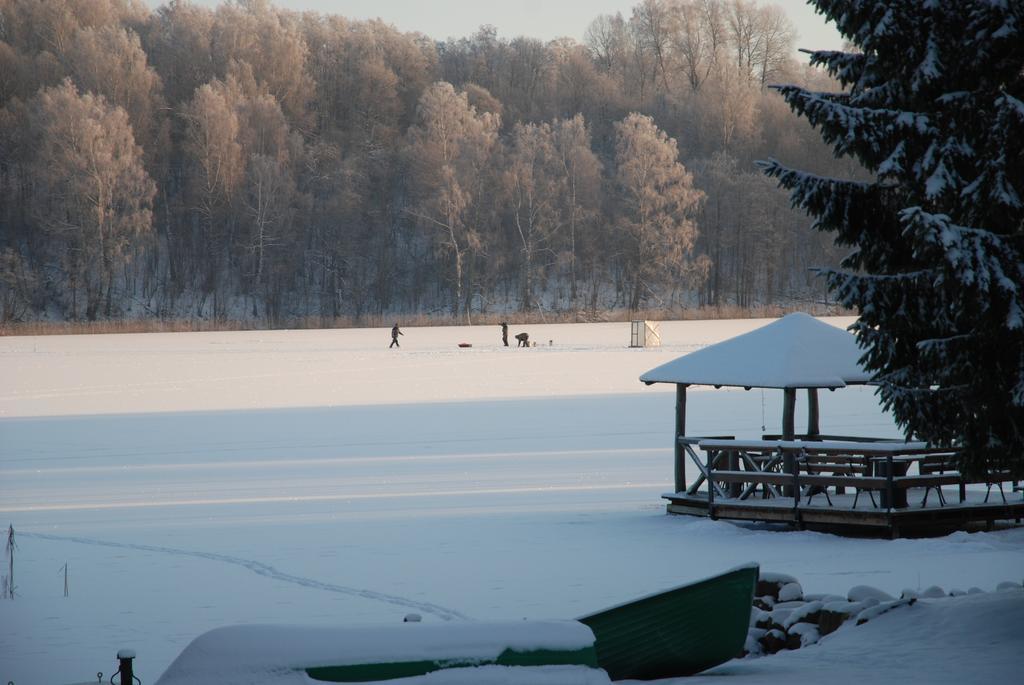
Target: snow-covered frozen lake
195, 480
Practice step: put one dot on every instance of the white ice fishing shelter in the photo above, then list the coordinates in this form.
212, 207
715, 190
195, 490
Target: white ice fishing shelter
796, 351
644, 334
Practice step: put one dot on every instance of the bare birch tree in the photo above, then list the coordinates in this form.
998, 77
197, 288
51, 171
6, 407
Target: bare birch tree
581, 171
534, 184
449, 146
652, 19
697, 39
216, 171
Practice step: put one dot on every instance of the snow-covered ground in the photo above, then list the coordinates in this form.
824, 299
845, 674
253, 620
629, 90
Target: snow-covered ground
196, 480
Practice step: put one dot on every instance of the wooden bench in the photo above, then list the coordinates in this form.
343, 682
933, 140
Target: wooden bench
938, 480
997, 478
841, 470
941, 464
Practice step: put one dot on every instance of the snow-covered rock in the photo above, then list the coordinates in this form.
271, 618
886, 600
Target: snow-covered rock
808, 613
835, 614
802, 634
791, 592
791, 605
769, 584
879, 609
779, 617
823, 597
760, 618
859, 593
773, 641
752, 646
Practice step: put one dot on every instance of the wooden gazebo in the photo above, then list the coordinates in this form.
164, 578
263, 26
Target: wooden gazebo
793, 353
778, 477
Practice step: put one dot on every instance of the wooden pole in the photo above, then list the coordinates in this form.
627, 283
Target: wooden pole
10, 554
813, 430
680, 449
788, 409
125, 667
788, 433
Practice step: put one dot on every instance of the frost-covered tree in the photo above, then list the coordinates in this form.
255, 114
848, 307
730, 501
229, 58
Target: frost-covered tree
92, 196
933, 108
658, 202
449, 150
534, 185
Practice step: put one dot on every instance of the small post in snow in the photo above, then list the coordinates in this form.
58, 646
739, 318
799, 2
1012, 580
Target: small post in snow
124, 668
9, 550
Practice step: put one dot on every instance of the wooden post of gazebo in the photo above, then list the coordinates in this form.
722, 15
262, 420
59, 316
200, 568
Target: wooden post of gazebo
813, 431
788, 410
788, 433
680, 448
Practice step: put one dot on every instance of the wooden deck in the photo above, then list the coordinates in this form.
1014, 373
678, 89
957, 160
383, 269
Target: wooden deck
893, 488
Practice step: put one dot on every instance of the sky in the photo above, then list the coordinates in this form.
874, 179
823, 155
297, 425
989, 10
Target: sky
543, 19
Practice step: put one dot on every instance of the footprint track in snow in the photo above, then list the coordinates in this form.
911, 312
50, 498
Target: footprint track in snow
267, 571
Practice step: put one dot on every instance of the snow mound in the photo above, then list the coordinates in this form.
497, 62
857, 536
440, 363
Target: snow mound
859, 593
967, 639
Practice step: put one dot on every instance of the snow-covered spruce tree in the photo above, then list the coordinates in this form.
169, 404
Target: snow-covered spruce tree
933, 107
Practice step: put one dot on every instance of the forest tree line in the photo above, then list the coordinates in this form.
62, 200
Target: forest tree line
247, 161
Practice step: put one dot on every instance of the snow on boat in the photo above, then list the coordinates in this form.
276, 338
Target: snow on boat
675, 633
483, 651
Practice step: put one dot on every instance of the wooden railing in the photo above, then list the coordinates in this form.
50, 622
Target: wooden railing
739, 469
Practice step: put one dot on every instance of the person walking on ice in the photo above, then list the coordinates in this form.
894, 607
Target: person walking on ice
504, 333
394, 336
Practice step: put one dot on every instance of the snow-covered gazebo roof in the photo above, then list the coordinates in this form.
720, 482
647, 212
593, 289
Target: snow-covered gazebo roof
796, 351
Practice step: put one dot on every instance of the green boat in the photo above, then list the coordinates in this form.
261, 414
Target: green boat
676, 633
